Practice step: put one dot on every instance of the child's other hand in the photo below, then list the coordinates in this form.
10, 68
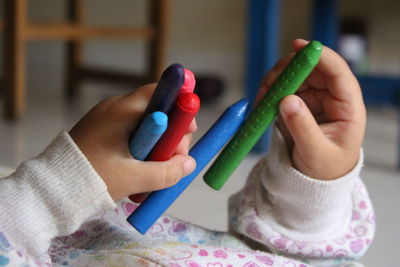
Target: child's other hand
103, 136
324, 123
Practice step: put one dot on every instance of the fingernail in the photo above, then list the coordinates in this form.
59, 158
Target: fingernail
291, 107
188, 166
303, 40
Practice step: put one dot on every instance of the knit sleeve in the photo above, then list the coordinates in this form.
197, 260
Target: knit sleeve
289, 213
50, 195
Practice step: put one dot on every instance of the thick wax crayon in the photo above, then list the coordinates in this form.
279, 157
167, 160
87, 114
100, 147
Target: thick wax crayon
186, 108
148, 134
262, 116
203, 151
164, 96
189, 83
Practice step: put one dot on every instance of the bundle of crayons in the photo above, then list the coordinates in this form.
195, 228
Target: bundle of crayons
166, 119
170, 112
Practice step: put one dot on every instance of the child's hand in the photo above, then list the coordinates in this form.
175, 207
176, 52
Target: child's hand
103, 136
324, 123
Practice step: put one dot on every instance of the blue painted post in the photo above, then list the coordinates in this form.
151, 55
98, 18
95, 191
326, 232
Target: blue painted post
262, 49
398, 140
325, 22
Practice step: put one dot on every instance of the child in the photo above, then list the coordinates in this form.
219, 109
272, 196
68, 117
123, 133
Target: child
303, 204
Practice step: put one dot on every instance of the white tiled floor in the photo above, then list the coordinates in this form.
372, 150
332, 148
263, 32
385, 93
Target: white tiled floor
47, 113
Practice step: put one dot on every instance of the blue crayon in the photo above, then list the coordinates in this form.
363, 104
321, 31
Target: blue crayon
148, 134
203, 151
164, 96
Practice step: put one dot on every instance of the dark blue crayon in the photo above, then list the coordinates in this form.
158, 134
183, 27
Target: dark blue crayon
203, 151
148, 134
164, 96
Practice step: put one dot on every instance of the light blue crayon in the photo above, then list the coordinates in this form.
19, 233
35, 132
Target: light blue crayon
203, 151
148, 134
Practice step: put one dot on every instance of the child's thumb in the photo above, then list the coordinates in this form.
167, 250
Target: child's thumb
301, 124
159, 175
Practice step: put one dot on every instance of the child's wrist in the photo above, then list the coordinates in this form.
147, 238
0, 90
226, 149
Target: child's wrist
331, 167
293, 191
318, 171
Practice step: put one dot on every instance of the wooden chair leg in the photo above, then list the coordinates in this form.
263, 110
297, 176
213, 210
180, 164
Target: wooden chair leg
159, 21
14, 58
74, 50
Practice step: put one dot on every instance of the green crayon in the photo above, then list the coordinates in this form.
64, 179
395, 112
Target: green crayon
263, 115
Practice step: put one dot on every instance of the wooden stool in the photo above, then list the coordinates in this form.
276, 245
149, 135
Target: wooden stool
18, 31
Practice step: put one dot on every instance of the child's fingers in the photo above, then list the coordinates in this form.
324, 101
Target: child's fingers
314, 100
301, 125
193, 126
316, 80
339, 79
346, 101
151, 175
284, 132
299, 44
145, 92
184, 145
137, 101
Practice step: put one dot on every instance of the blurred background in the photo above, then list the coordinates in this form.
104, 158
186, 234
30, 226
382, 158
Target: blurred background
212, 38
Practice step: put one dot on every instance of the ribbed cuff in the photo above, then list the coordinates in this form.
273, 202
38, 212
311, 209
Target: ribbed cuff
82, 189
299, 206
52, 195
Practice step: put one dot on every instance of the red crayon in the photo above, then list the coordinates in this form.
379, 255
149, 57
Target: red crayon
184, 111
186, 108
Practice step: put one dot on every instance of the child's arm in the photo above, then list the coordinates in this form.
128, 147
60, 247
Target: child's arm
81, 174
305, 199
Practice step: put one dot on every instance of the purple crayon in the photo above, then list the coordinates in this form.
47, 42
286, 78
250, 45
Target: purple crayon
164, 96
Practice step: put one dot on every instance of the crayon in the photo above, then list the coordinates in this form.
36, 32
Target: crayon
262, 116
203, 151
181, 116
148, 134
189, 83
164, 96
